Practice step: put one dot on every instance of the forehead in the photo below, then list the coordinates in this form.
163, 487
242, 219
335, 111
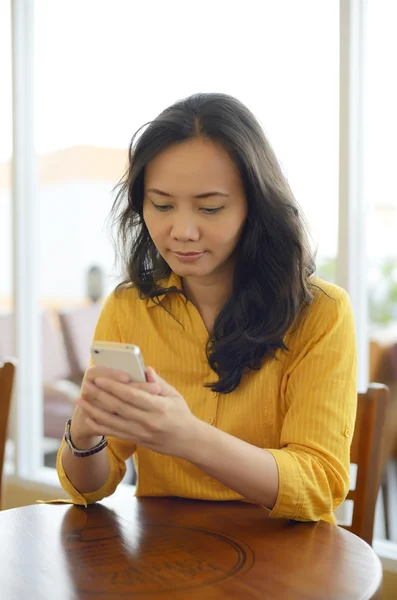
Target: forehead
196, 162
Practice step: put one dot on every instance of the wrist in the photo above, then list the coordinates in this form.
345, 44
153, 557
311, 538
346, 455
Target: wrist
196, 444
83, 442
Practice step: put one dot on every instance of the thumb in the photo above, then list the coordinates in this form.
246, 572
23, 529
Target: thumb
166, 388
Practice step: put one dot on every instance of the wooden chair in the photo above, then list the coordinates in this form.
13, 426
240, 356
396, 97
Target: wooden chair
366, 453
7, 371
383, 369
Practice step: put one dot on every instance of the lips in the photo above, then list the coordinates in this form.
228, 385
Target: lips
188, 256
187, 253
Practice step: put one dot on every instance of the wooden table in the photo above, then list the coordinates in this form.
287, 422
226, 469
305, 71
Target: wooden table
181, 549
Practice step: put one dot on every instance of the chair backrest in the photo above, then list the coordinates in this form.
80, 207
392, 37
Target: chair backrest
7, 371
383, 359
366, 453
78, 327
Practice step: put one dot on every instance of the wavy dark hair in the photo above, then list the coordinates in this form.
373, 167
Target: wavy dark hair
274, 260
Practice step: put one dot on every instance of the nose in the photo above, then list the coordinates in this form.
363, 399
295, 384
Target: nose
184, 228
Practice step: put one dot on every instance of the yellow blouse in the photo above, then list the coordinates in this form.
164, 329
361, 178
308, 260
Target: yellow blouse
301, 406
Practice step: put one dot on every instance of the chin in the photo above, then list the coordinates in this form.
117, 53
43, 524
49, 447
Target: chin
188, 271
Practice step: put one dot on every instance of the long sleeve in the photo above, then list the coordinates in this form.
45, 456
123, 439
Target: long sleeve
321, 400
118, 451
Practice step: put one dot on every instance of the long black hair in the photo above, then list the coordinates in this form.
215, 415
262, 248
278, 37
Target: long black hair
271, 286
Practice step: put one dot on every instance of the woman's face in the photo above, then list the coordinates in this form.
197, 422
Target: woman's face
194, 207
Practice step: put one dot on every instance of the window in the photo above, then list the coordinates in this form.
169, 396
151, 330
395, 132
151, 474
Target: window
92, 97
5, 159
6, 242
382, 194
382, 219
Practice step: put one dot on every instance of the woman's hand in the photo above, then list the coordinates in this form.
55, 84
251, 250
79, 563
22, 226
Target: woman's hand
151, 414
82, 433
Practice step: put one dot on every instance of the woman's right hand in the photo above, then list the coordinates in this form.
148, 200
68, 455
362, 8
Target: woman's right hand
81, 433
83, 438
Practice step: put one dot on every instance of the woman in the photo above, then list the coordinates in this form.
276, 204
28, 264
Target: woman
253, 391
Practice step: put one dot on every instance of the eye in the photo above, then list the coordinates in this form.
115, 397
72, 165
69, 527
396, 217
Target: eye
161, 207
211, 211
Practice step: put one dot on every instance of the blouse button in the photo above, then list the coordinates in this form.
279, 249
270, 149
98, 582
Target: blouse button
210, 420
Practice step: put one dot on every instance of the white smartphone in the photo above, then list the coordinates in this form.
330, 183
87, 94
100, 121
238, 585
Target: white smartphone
122, 357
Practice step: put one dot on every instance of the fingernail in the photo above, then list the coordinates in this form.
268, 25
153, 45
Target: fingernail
124, 378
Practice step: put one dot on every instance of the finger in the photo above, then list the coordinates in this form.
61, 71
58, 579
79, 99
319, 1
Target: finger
150, 375
94, 371
137, 398
89, 391
166, 388
102, 417
108, 402
90, 388
151, 388
99, 429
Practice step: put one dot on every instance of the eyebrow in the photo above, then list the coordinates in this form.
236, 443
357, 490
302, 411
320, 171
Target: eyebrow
204, 195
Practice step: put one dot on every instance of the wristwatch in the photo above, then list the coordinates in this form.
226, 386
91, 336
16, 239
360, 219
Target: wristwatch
82, 453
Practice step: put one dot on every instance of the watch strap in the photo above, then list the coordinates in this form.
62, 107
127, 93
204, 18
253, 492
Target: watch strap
82, 453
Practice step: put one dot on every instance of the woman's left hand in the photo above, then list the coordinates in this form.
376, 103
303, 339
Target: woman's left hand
163, 423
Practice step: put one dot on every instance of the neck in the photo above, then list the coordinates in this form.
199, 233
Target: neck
209, 294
